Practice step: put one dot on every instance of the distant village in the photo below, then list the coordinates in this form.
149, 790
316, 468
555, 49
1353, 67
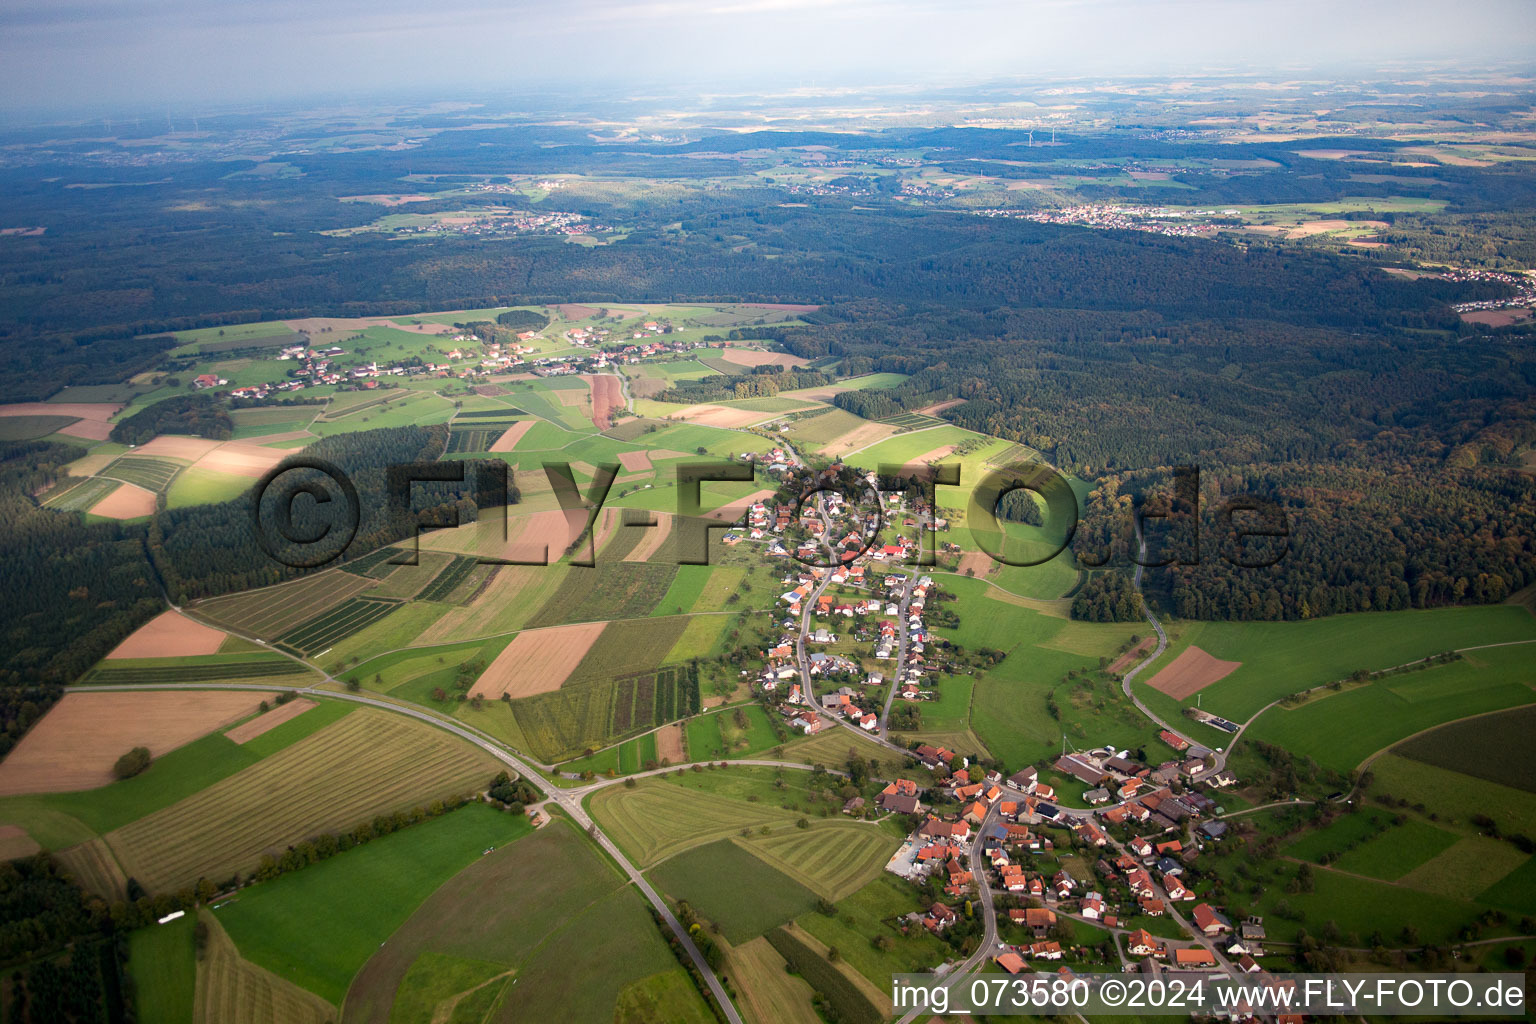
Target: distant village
470, 357
1155, 220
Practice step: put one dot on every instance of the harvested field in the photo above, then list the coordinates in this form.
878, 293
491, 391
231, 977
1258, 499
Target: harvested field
572, 397
858, 437
513, 434
94, 868
941, 452
368, 763
101, 412
286, 435
532, 537
978, 563
669, 744
821, 394
654, 538
169, 635
1486, 317
1322, 227
91, 430
607, 398
270, 720
242, 458
575, 311
343, 325
126, 501
538, 660
635, 461
752, 357
14, 843
938, 407
177, 446
769, 993
1191, 672
1134, 655
76, 743
719, 415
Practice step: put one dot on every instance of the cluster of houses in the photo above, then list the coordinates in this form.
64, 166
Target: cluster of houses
1112, 775
556, 223
1242, 943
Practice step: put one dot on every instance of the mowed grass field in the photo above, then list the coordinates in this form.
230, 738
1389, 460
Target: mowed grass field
660, 818
1342, 729
315, 928
368, 763
574, 950
663, 816
833, 859
1280, 658
163, 966
232, 990
62, 820
769, 993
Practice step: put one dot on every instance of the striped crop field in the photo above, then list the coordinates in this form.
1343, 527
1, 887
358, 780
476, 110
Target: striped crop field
274, 610
148, 472
374, 564
321, 633
658, 819
835, 859
368, 763
80, 496
454, 573
914, 421
232, 990
271, 669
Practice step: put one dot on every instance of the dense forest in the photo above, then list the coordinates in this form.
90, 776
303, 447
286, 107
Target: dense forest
201, 415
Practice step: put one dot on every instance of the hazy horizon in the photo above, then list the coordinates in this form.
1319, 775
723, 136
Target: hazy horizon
118, 54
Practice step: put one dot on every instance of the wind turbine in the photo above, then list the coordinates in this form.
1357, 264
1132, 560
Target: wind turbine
1031, 136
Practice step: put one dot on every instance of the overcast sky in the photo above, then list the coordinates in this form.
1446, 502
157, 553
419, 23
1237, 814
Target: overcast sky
194, 52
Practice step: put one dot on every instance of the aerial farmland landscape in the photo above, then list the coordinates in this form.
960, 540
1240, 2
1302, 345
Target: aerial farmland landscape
788, 512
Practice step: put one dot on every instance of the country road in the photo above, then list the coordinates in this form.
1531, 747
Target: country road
988, 942
568, 800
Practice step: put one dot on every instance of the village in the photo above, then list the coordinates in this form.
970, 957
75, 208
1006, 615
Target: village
1118, 855
479, 350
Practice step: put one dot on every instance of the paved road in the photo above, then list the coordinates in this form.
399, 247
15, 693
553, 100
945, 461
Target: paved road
804, 662
988, 945
903, 640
